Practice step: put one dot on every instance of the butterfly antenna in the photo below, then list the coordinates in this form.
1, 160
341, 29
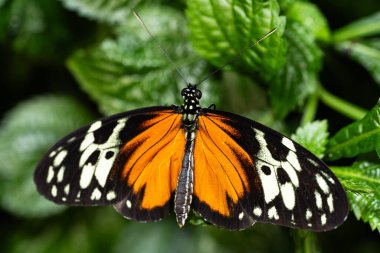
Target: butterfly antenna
233, 60
159, 46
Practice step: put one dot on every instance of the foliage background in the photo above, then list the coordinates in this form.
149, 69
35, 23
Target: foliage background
65, 63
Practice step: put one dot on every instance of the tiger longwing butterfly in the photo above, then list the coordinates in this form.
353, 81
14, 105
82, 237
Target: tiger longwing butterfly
230, 170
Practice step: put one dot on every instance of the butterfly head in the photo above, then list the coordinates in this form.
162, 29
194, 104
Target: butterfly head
190, 107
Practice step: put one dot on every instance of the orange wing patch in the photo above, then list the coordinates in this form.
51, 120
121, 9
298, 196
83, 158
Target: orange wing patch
155, 157
218, 165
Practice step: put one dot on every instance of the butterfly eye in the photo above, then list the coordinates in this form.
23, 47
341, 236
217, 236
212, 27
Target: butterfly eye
198, 94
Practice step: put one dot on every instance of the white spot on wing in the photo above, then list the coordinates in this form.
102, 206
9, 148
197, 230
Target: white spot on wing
128, 204
241, 216
95, 126
66, 189
96, 194
53, 153
288, 195
288, 143
111, 195
104, 166
293, 160
54, 191
86, 176
322, 184
330, 203
50, 174
59, 158
268, 182
60, 174
272, 213
318, 199
323, 219
308, 214
257, 211
71, 139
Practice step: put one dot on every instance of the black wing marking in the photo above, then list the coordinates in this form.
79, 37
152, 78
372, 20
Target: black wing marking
289, 185
78, 170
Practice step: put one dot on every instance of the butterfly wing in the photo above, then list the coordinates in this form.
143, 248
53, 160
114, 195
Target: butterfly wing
245, 172
117, 160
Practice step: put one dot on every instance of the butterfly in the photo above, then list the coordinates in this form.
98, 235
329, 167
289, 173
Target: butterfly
230, 170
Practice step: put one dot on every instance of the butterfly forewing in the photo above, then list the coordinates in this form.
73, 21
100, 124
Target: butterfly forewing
279, 182
81, 169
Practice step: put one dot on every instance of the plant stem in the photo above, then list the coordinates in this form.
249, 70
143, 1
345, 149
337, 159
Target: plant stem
349, 110
310, 109
305, 242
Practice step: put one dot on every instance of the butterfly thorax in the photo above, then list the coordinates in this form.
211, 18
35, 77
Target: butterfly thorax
190, 108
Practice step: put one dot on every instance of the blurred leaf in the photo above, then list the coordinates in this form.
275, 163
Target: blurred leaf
364, 27
83, 230
34, 27
102, 10
26, 133
154, 236
309, 15
359, 137
220, 30
299, 76
366, 53
365, 205
313, 136
130, 71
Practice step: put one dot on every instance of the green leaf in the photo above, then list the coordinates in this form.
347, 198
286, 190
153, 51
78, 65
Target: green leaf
365, 205
364, 27
33, 27
313, 136
130, 71
26, 133
359, 137
102, 10
299, 76
220, 30
285, 4
311, 18
365, 52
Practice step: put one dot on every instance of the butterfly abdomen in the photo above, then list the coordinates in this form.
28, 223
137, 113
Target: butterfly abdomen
184, 191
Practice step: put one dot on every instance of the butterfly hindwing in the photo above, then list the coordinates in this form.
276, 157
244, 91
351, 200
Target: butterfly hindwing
149, 164
223, 175
265, 177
